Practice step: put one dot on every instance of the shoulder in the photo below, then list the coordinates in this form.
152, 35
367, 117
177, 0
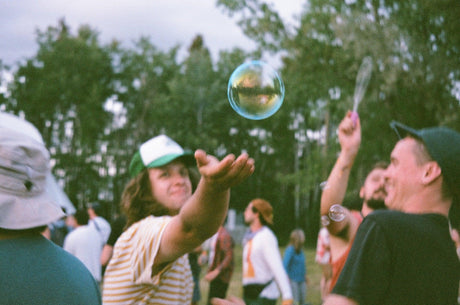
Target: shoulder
289, 249
101, 220
391, 217
148, 226
266, 232
74, 233
151, 220
385, 215
395, 222
224, 234
267, 236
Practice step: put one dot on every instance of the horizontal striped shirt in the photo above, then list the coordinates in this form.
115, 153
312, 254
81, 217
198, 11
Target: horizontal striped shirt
128, 277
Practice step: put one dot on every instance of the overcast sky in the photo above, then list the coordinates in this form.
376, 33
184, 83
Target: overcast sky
166, 22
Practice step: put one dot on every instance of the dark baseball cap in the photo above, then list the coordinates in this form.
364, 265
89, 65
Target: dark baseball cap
443, 145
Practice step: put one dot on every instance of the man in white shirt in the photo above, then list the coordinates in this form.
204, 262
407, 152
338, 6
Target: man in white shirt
101, 225
263, 271
84, 242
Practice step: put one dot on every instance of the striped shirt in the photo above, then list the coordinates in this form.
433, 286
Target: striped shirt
128, 277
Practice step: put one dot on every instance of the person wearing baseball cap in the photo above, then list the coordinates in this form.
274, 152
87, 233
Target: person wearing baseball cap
406, 255
166, 219
263, 270
34, 270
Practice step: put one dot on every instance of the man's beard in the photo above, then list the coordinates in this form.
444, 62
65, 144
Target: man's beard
376, 204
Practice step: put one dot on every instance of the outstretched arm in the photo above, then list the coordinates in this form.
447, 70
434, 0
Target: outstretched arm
349, 134
205, 211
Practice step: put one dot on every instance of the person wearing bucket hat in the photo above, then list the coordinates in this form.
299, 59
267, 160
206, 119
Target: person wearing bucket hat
263, 270
168, 218
34, 270
406, 255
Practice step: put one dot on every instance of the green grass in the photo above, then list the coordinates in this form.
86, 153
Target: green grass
314, 276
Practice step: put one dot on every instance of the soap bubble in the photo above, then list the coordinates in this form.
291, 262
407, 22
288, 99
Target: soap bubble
255, 90
337, 213
323, 185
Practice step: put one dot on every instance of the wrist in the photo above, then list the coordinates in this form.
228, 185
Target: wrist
346, 159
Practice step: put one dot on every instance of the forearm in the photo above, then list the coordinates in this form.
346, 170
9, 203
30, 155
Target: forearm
198, 219
227, 259
337, 182
205, 211
106, 254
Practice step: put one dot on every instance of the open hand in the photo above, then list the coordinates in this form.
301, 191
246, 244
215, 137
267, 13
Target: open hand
226, 173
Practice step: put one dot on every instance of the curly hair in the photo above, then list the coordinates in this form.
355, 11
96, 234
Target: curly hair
137, 200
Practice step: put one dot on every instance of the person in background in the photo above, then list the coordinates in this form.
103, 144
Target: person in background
166, 220
405, 255
323, 258
341, 222
221, 264
98, 222
84, 242
196, 272
296, 267
263, 270
58, 230
117, 227
34, 270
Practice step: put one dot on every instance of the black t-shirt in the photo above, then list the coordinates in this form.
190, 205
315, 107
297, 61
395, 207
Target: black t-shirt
401, 259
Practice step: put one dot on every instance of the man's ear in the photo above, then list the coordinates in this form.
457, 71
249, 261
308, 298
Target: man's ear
432, 171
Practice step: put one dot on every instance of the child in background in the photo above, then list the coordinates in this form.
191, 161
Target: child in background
294, 263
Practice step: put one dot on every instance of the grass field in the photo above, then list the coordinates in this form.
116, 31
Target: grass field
314, 275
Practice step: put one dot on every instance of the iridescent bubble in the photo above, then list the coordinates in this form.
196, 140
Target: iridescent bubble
255, 90
323, 185
337, 213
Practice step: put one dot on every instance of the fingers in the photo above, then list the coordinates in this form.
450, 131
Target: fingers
227, 172
240, 169
348, 125
201, 158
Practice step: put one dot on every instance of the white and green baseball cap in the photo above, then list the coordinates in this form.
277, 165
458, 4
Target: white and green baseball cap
157, 152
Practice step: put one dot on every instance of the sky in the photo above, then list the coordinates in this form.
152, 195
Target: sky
166, 22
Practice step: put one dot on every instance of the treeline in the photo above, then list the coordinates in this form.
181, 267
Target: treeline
95, 103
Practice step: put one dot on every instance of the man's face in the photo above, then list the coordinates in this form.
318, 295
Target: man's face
249, 215
402, 175
374, 186
171, 185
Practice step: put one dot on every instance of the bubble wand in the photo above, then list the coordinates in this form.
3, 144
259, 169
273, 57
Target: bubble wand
362, 80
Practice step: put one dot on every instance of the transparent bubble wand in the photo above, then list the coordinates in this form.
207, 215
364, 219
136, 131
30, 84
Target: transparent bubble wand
362, 80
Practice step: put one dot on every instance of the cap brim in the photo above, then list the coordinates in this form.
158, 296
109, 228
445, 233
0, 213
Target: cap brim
187, 156
403, 130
